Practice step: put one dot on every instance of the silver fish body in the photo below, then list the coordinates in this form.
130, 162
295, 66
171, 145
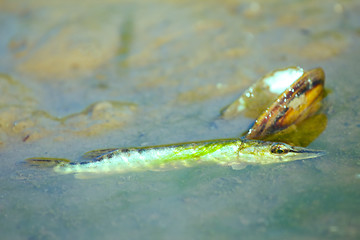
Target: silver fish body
226, 152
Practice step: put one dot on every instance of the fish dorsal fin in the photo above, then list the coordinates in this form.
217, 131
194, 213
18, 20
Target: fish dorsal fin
97, 153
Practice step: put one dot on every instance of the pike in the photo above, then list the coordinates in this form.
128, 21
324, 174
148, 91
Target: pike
237, 153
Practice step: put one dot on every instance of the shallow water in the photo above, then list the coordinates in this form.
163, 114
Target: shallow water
82, 75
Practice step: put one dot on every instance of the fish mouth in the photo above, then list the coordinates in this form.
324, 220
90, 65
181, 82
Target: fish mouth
304, 153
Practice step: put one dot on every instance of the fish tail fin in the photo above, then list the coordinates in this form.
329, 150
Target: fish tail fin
47, 162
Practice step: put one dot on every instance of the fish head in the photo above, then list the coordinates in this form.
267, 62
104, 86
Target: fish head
259, 152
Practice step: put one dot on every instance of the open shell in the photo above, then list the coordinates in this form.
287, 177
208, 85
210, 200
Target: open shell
282, 98
298, 102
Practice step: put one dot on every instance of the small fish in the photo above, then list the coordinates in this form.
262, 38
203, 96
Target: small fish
237, 153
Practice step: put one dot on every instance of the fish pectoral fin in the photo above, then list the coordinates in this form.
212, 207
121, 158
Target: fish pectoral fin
238, 166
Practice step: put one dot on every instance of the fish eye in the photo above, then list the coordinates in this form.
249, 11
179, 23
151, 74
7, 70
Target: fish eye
279, 148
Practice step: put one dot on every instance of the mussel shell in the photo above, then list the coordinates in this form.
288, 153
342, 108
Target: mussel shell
262, 94
300, 101
301, 134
